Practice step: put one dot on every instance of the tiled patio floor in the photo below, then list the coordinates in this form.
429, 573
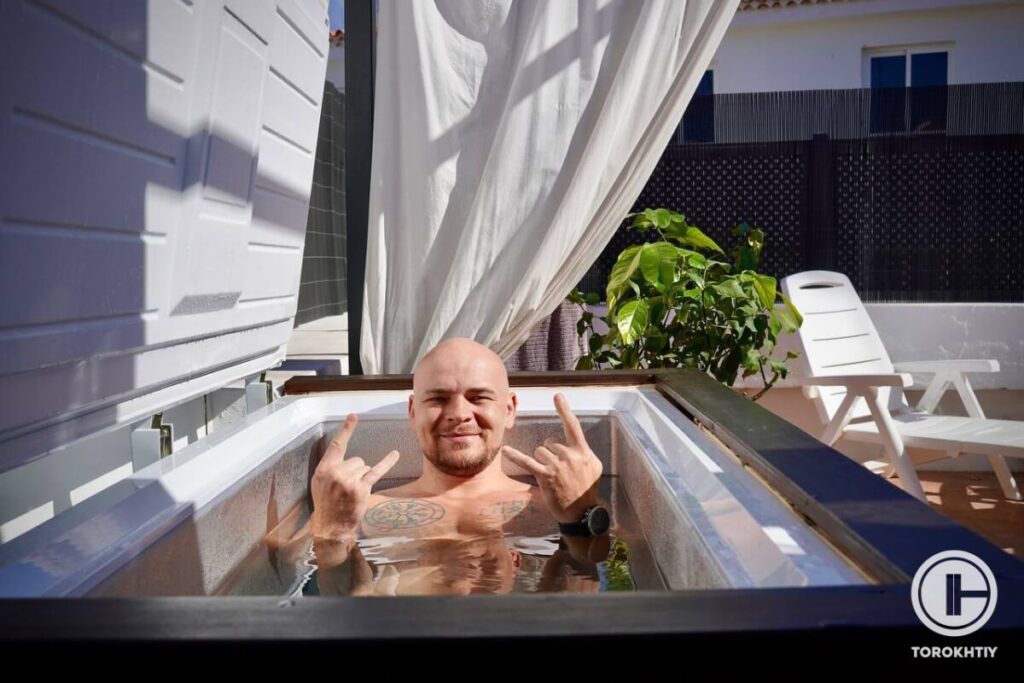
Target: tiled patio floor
975, 500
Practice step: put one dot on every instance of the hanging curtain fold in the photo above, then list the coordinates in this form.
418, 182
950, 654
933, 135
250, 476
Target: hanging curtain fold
510, 140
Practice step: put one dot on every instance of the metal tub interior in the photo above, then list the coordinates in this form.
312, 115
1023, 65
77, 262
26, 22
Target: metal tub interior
707, 522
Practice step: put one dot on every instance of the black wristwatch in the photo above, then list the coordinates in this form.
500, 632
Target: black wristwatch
596, 522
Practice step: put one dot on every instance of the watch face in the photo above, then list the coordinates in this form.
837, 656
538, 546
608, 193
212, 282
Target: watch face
598, 521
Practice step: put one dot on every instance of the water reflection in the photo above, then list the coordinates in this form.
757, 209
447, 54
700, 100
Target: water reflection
493, 562
486, 547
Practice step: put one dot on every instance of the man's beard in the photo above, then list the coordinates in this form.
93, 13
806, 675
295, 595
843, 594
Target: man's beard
461, 462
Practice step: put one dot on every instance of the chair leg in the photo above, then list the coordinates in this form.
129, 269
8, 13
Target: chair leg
1007, 482
894, 448
838, 423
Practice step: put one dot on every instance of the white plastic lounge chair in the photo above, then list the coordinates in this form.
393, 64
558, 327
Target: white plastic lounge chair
845, 361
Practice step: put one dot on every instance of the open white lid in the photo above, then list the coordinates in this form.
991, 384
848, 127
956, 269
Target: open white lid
158, 159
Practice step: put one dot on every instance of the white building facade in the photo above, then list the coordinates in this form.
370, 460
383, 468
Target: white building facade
782, 45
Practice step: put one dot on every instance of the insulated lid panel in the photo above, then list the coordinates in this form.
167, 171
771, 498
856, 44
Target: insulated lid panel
157, 163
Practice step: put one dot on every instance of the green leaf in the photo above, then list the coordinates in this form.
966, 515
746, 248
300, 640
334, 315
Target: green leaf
585, 363
789, 323
794, 318
695, 259
592, 298
774, 325
751, 359
729, 288
623, 269
694, 237
662, 218
746, 259
765, 286
632, 320
656, 343
717, 270
642, 221
658, 264
596, 342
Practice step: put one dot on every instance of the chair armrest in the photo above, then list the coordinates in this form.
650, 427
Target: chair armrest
860, 382
953, 365
947, 372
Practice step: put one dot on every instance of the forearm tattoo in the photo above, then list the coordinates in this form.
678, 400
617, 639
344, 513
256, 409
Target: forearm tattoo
408, 513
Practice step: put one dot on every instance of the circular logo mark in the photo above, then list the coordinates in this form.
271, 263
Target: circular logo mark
954, 593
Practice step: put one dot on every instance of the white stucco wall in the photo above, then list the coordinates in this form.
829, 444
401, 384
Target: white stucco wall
822, 47
956, 331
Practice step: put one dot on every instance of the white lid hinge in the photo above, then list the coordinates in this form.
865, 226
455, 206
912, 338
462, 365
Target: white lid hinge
259, 392
151, 440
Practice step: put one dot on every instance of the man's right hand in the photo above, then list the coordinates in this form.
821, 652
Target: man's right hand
341, 488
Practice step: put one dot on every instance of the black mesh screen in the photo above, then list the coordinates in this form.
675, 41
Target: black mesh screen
920, 215
932, 219
323, 284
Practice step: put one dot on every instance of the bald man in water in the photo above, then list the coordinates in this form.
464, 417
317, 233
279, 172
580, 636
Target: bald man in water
460, 408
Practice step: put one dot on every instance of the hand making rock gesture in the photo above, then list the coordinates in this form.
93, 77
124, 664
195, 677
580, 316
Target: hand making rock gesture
341, 487
567, 473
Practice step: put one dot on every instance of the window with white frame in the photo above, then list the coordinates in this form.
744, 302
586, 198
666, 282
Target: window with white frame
908, 88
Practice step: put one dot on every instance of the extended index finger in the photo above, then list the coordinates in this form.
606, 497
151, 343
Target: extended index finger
339, 443
573, 429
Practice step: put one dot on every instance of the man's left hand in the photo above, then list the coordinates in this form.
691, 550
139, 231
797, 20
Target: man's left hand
567, 473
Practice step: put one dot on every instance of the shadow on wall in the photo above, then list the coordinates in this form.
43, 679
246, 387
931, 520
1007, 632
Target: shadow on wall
157, 166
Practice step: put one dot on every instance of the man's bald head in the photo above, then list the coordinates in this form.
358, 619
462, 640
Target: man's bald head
460, 352
461, 406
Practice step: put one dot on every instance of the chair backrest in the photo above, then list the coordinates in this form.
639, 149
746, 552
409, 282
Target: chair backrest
838, 338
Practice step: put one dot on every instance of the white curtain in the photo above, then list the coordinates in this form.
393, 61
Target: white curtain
510, 139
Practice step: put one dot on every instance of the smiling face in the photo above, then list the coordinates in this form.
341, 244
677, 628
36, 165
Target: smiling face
461, 406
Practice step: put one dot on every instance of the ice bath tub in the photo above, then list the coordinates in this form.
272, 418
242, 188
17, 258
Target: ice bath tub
751, 524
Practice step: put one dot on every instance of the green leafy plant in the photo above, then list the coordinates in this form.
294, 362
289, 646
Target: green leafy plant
678, 303
616, 567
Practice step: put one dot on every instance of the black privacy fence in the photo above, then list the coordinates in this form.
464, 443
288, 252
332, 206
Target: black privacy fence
916, 194
323, 284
